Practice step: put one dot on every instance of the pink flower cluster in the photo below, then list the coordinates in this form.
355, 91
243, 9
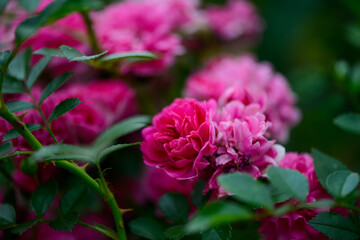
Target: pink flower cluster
244, 79
141, 26
295, 225
181, 136
104, 102
238, 18
190, 139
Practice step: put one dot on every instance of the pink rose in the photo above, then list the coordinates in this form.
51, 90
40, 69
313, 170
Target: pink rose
295, 225
124, 27
244, 79
242, 144
238, 18
179, 139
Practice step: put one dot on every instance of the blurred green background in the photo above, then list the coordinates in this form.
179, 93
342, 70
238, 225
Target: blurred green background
304, 40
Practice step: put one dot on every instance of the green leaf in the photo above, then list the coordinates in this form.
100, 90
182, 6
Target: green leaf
217, 213
28, 167
73, 198
105, 230
23, 227
197, 196
247, 189
72, 54
12, 85
114, 148
324, 203
174, 232
7, 214
325, 165
65, 222
20, 65
14, 134
3, 4
53, 85
60, 150
289, 181
123, 128
54, 11
126, 55
37, 70
64, 107
29, 5
147, 227
50, 52
342, 69
4, 56
335, 226
342, 183
175, 207
19, 106
349, 122
5, 148
222, 232
68, 157
43, 196
279, 196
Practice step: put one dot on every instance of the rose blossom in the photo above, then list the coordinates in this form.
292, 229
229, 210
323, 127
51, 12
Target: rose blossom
179, 139
267, 88
139, 26
241, 143
295, 225
238, 18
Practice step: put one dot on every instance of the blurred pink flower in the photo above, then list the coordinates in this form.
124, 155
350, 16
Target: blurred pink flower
43, 231
238, 18
295, 225
181, 135
156, 183
104, 102
9, 20
139, 26
251, 82
70, 31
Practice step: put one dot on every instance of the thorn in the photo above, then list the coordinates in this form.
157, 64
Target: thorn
21, 116
126, 210
121, 224
19, 123
83, 167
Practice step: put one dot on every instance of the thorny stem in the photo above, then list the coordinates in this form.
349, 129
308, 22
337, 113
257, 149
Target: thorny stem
19, 126
103, 191
110, 199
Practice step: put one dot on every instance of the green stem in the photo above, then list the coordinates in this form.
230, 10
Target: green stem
111, 201
38, 108
103, 190
92, 37
80, 172
17, 153
20, 127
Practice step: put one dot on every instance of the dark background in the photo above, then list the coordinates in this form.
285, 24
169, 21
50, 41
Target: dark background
304, 40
